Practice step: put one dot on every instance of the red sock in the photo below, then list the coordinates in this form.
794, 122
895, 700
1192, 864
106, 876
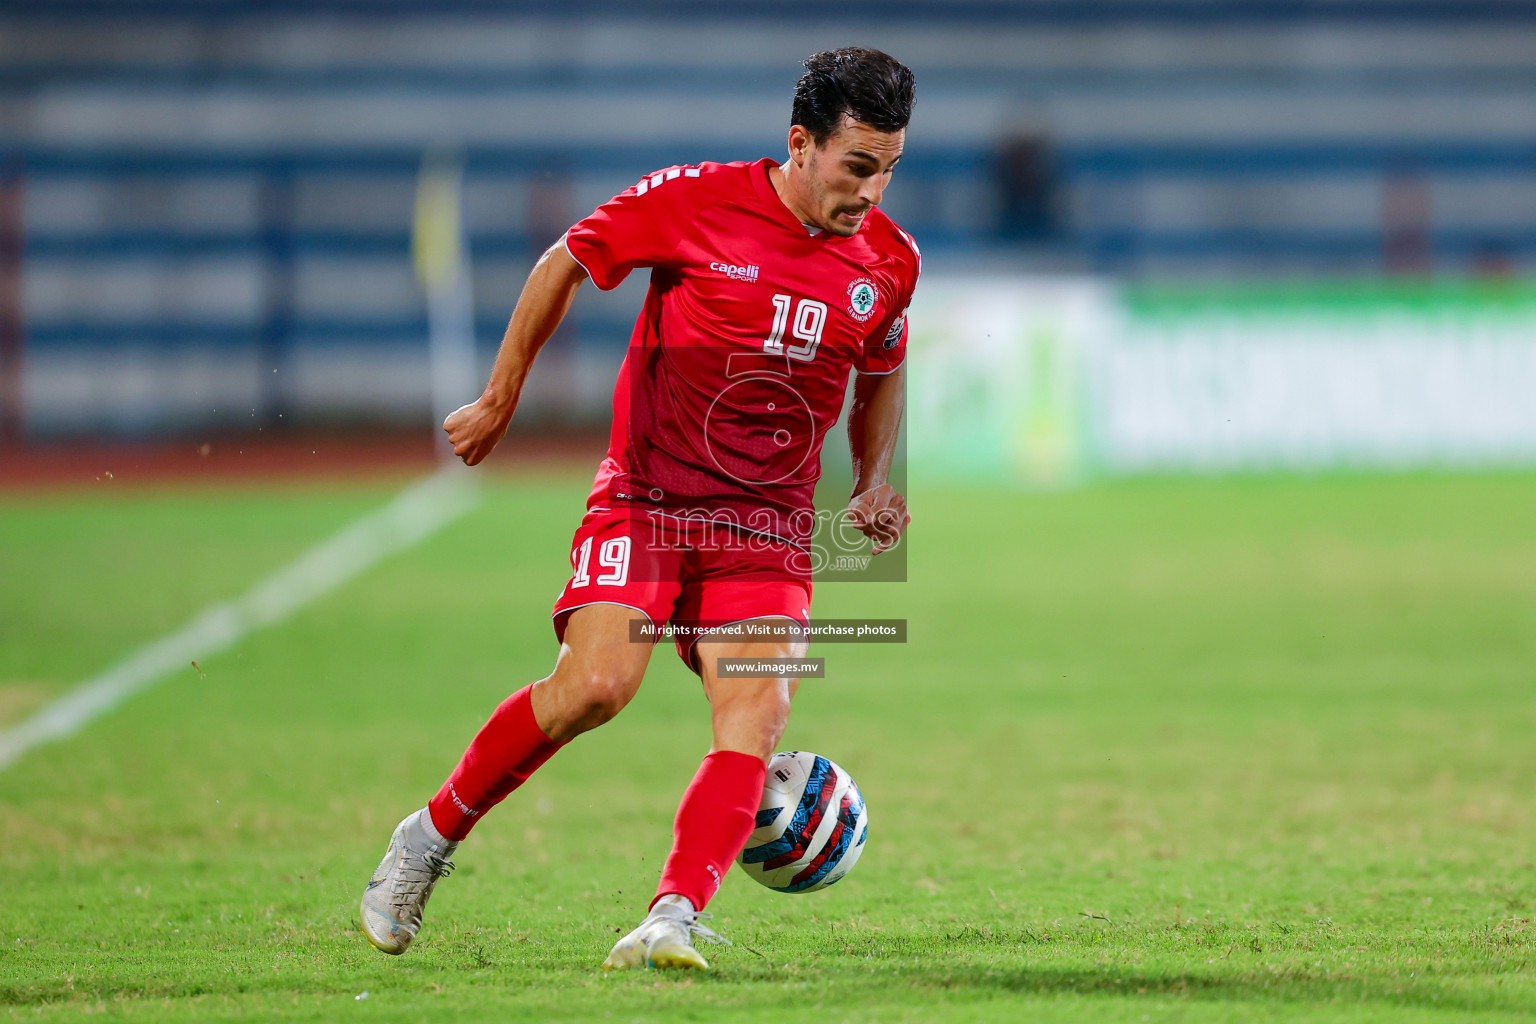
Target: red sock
713, 823
507, 749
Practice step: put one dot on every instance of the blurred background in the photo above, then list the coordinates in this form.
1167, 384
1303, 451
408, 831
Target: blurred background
1192, 234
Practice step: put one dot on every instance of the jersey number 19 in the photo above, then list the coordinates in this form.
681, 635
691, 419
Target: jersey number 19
810, 317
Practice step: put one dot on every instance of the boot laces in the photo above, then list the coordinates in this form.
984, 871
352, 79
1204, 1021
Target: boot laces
417, 874
703, 931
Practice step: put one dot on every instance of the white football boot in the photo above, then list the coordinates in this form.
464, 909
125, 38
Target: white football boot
664, 939
398, 892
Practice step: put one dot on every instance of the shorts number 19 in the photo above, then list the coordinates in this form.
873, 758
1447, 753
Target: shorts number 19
613, 555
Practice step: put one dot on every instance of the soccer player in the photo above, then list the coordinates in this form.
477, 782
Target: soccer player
769, 283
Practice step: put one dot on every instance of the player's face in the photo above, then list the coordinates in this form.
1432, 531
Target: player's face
848, 173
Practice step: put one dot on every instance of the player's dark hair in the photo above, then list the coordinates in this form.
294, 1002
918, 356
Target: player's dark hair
874, 88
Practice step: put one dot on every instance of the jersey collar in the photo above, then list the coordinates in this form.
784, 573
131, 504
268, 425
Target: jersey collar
784, 214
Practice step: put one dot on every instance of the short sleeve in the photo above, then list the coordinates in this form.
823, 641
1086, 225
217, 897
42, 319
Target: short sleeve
886, 347
640, 227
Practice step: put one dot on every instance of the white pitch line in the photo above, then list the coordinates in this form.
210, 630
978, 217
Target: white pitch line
411, 517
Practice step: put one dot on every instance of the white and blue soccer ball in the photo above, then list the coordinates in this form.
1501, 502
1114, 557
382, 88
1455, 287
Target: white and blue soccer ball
811, 825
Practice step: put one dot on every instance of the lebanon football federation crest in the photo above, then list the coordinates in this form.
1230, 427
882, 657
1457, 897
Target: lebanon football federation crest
862, 298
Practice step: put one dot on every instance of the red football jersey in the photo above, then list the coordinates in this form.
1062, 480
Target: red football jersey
739, 361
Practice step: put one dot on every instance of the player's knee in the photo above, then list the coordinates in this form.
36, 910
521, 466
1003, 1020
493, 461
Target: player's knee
602, 693
755, 698
752, 719
583, 696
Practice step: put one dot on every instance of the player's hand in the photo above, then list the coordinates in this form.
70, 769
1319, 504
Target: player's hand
474, 429
880, 514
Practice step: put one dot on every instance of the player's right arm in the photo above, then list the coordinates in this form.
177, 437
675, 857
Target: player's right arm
475, 429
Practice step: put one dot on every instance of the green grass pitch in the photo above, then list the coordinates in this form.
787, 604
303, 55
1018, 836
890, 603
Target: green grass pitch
1175, 750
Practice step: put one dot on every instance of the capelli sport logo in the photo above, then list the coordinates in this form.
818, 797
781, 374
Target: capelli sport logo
862, 298
749, 273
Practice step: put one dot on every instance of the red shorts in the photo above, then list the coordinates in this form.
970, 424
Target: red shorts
682, 571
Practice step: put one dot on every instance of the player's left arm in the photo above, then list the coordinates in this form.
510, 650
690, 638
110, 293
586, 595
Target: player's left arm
873, 421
